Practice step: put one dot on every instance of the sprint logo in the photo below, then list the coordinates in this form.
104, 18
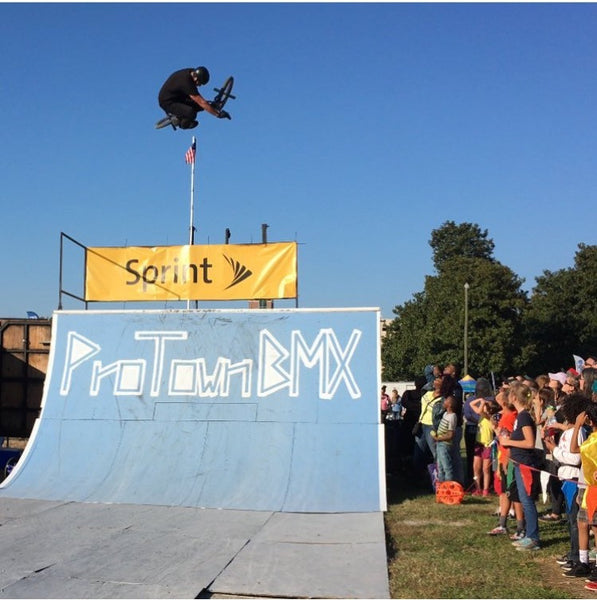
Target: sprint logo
240, 272
177, 273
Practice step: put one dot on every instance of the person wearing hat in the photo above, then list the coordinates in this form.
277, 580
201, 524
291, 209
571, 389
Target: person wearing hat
179, 97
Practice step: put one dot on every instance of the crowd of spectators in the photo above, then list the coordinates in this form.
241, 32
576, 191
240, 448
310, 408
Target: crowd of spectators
524, 438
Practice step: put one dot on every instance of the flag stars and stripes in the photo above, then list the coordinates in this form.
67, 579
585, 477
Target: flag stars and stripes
190, 155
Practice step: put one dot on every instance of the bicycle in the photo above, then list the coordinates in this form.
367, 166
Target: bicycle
223, 95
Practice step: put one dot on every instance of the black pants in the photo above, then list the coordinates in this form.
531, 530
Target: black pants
186, 111
470, 437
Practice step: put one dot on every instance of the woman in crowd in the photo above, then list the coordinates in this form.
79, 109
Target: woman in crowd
587, 381
424, 448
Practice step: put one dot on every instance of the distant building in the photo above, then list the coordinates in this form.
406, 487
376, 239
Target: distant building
385, 324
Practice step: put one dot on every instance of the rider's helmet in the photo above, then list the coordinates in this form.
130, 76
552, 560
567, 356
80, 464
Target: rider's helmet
201, 74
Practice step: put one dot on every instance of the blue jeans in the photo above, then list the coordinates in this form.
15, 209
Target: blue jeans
445, 470
424, 444
528, 507
573, 531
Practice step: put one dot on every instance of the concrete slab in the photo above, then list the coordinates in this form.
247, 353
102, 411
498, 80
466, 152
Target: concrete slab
311, 556
79, 550
93, 550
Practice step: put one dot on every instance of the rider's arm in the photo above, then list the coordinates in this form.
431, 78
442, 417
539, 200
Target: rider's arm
205, 105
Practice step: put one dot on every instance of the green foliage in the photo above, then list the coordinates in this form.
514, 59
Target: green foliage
466, 240
508, 332
430, 327
562, 316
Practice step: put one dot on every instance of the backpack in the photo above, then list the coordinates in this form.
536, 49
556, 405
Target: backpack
437, 412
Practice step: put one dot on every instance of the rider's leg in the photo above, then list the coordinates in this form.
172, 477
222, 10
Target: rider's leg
185, 114
188, 124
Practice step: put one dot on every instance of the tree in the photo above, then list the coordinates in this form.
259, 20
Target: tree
403, 353
465, 240
562, 315
430, 327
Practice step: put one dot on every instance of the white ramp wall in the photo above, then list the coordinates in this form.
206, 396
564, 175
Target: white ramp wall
253, 410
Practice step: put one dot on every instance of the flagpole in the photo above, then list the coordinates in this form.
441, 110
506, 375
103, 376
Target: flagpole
192, 216
192, 226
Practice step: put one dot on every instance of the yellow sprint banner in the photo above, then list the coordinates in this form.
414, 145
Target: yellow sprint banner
218, 272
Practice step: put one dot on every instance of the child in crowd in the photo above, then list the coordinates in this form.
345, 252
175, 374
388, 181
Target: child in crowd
586, 477
522, 453
443, 438
483, 443
397, 412
504, 481
576, 562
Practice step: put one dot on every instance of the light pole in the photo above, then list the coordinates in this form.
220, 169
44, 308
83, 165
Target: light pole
466, 286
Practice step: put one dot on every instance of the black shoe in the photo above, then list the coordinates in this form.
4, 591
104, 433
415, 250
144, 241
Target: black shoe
579, 570
592, 578
568, 565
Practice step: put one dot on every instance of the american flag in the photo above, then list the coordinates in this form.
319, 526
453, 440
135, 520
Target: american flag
190, 155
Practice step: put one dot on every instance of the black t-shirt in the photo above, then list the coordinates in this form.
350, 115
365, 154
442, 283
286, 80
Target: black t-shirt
179, 86
525, 456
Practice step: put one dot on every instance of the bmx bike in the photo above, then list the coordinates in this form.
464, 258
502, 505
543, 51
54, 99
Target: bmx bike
219, 101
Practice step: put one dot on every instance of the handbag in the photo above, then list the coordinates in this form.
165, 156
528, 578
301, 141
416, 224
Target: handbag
418, 428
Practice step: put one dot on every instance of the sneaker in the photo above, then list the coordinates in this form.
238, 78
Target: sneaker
517, 536
550, 518
485, 493
578, 570
592, 576
568, 565
498, 530
563, 559
526, 544
592, 585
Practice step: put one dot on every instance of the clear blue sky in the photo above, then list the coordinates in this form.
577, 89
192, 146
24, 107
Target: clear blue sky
358, 129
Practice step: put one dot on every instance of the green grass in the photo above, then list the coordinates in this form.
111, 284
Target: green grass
441, 551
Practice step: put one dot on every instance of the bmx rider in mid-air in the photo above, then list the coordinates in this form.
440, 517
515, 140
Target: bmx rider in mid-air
180, 98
